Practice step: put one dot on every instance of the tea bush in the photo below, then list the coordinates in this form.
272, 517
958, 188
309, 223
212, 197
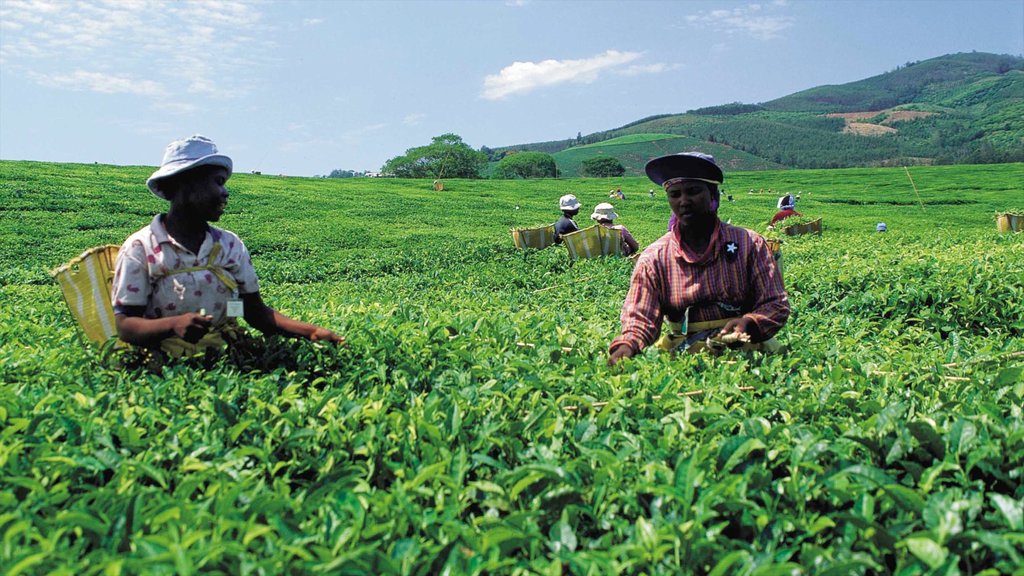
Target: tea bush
472, 425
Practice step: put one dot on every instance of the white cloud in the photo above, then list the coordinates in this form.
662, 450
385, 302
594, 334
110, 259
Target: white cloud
313, 21
748, 19
638, 69
212, 48
521, 77
99, 82
413, 119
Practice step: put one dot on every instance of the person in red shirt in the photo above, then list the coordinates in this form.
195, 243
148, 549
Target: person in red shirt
786, 209
706, 278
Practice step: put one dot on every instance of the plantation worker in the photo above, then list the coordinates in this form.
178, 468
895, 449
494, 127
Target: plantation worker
711, 281
604, 214
570, 207
786, 208
180, 283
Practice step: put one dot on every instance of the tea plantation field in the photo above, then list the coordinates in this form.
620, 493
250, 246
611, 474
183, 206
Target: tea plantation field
472, 426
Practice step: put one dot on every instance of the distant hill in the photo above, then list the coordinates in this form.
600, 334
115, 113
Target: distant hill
956, 109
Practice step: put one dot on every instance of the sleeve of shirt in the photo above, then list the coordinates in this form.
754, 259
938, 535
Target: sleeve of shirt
240, 266
131, 286
641, 311
771, 304
629, 240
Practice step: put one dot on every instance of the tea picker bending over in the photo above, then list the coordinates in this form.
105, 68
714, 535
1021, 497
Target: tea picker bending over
179, 283
605, 215
706, 278
786, 207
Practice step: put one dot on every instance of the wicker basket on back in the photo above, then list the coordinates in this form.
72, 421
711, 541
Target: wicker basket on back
536, 238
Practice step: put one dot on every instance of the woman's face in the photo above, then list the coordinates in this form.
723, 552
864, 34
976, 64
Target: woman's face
691, 201
204, 194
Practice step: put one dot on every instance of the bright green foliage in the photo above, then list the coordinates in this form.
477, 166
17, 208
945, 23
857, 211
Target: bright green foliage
526, 165
447, 156
458, 432
601, 167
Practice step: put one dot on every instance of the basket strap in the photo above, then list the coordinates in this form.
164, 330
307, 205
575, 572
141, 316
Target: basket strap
217, 271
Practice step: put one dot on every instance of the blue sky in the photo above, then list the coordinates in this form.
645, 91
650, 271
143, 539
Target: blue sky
303, 87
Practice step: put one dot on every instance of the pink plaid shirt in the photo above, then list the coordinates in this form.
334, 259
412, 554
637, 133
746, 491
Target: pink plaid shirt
735, 276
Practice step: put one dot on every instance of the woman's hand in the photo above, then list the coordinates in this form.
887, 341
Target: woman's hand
322, 334
620, 352
742, 325
191, 327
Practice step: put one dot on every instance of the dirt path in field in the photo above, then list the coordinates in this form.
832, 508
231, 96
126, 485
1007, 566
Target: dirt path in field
884, 126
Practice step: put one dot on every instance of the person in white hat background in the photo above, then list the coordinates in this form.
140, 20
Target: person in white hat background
604, 214
786, 208
179, 282
570, 207
711, 281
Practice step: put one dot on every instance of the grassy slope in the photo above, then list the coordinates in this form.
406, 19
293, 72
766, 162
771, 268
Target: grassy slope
979, 100
636, 149
436, 439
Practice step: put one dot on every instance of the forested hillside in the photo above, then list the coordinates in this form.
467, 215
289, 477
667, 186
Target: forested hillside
959, 108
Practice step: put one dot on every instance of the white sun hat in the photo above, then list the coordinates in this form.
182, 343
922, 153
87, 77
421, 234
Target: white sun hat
568, 202
604, 211
185, 154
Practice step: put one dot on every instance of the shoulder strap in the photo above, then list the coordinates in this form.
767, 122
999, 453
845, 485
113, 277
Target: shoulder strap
217, 271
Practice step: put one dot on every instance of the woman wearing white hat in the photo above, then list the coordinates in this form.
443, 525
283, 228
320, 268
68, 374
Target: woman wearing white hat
786, 208
604, 214
570, 207
179, 283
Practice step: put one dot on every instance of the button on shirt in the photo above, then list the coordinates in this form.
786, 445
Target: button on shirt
144, 274
735, 276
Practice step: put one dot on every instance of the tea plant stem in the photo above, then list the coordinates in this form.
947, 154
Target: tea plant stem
996, 358
656, 397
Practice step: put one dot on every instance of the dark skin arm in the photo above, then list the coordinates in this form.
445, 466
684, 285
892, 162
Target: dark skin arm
270, 321
135, 329
743, 324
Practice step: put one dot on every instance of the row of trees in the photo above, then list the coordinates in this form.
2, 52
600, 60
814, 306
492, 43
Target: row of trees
447, 156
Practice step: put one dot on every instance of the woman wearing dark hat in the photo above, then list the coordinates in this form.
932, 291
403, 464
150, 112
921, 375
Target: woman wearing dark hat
179, 283
712, 282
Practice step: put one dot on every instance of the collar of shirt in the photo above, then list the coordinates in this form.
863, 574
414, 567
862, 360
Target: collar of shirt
161, 236
689, 256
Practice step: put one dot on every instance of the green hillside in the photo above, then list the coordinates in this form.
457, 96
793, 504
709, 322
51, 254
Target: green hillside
960, 108
636, 149
914, 82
